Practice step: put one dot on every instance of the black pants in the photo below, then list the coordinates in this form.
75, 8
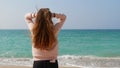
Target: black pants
45, 64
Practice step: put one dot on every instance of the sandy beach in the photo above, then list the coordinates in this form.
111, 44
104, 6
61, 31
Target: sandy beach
13, 66
10, 66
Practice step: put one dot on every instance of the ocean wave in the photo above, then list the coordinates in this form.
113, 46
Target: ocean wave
89, 61
70, 60
16, 61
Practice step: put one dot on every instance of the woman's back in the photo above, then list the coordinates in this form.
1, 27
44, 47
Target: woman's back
44, 34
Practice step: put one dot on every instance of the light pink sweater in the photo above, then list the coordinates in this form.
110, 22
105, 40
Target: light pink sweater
44, 54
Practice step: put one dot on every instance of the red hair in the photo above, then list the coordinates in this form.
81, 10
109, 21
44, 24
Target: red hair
43, 30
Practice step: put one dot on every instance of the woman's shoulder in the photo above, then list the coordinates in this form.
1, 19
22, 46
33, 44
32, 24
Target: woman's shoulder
58, 27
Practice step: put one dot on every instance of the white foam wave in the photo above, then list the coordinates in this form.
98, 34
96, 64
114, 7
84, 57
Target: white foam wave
89, 61
16, 61
68, 60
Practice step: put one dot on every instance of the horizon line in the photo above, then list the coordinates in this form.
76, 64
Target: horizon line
65, 29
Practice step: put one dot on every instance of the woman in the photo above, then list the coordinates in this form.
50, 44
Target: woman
44, 37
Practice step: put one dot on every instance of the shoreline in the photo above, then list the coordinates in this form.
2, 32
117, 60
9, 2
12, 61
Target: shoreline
14, 66
66, 62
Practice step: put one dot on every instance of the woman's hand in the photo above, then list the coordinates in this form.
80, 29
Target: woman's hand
62, 17
34, 15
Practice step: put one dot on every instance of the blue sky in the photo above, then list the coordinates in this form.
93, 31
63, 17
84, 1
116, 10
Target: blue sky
81, 14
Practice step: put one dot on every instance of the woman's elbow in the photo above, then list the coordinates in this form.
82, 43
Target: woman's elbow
28, 15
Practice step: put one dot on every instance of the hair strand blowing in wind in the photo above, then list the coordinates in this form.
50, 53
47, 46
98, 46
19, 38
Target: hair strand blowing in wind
43, 30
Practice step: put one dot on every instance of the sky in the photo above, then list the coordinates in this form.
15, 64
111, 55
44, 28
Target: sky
81, 14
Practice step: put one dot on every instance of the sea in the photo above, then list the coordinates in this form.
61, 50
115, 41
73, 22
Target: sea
86, 48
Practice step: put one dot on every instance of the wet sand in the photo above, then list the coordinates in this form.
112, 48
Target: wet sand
12, 66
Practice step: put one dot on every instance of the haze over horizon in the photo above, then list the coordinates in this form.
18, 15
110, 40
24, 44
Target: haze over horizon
81, 14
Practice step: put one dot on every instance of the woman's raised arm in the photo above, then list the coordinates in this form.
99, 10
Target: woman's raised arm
29, 17
59, 25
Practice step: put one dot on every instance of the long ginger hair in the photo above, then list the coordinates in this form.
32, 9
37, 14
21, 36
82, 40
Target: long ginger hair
43, 30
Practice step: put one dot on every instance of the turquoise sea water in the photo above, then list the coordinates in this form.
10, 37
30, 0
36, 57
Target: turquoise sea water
102, 43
